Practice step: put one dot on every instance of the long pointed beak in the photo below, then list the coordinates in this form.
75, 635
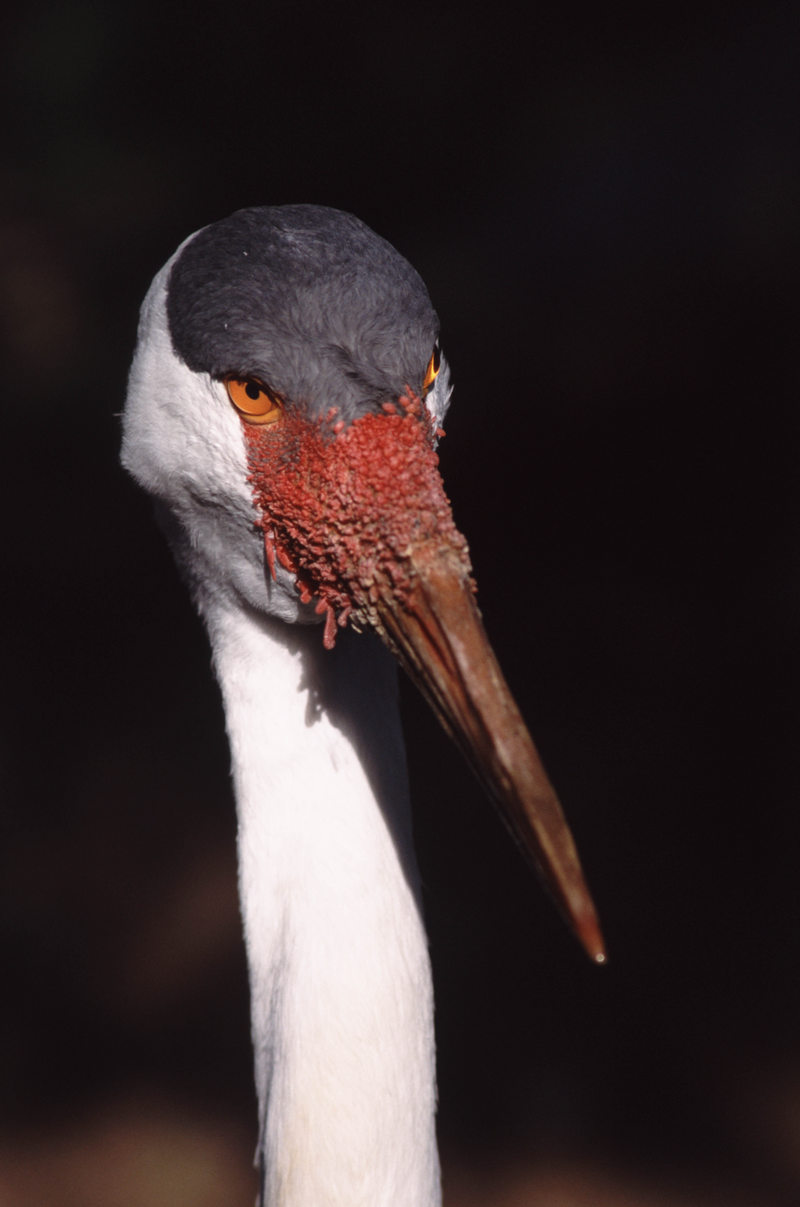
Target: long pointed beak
437, 633
359, 515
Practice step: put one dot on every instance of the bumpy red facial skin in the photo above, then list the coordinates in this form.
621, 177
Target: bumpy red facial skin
344, 506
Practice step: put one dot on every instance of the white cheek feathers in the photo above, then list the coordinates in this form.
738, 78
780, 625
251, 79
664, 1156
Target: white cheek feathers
182, 441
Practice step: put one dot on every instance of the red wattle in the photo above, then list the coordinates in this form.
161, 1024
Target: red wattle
342, 506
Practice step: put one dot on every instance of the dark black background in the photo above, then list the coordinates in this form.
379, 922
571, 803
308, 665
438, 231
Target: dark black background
603, 202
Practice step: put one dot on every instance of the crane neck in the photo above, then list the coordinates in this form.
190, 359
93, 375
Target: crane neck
342, 1010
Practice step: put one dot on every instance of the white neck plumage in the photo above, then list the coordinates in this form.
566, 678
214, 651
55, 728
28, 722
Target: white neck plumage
342, 1009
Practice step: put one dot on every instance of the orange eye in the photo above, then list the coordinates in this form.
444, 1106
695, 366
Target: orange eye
432, 370
252, 400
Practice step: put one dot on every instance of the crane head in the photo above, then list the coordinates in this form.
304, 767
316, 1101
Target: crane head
291, 441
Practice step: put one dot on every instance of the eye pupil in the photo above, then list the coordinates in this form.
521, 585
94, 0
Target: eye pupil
252, 390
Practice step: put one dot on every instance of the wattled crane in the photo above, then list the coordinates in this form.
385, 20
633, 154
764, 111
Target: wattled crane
285, 401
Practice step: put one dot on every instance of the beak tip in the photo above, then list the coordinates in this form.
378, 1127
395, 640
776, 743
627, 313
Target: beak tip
591, 939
